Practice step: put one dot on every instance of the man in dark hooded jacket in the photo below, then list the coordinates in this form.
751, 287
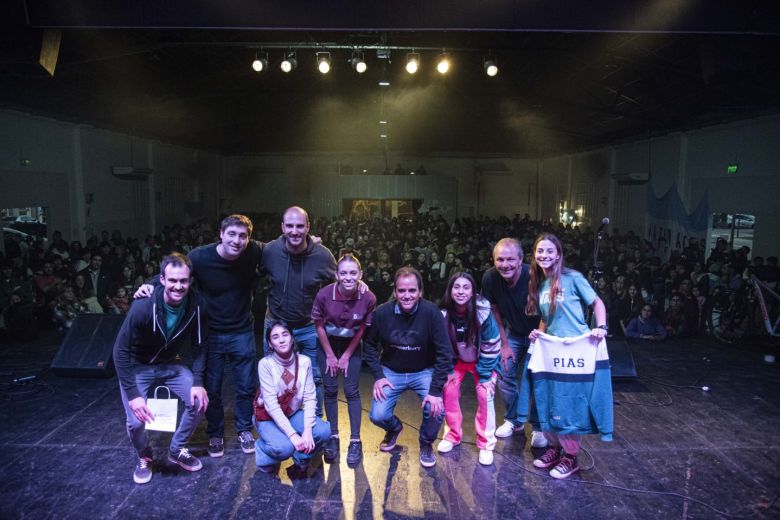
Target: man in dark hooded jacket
146, 354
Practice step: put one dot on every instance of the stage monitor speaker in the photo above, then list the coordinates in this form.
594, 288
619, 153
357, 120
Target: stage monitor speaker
87, 347
621, 360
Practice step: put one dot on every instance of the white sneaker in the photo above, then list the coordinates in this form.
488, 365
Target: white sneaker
538, 440
486, 457
507, 429
445, 446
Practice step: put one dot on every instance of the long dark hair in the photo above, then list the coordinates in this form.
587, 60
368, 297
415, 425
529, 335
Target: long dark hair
537, 277
472, 320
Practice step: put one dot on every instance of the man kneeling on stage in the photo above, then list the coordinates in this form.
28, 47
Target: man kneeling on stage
146, 353
408, 348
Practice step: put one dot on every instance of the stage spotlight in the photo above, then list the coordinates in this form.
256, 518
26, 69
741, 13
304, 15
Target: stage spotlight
444, 63
289, 63
358, 63
412, 62
323, 62
491, 67
261, 63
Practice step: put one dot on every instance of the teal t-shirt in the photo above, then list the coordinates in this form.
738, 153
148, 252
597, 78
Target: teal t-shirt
569, 318
173, 316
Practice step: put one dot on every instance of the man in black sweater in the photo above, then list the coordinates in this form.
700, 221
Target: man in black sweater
226, 274
146, 353
408, 348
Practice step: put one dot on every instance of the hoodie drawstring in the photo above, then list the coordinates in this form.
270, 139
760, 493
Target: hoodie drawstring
199, 339
154, 318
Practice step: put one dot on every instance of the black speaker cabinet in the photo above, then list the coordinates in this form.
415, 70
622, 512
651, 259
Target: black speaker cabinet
621, 360
86, 349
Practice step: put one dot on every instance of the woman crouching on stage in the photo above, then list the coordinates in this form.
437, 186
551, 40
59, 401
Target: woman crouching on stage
557, 294
285, 405
476, 343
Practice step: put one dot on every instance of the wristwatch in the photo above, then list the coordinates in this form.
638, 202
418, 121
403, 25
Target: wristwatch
605, 327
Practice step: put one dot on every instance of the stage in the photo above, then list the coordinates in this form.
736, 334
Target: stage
678, 452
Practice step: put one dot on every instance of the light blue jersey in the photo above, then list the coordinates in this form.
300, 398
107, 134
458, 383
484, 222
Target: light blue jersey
569, 318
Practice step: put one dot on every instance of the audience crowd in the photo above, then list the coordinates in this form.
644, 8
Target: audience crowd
651, 291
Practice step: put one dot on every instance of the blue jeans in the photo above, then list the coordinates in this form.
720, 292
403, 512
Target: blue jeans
273, 446
178, 379
239, 351
507, 378
420, 383
306, 339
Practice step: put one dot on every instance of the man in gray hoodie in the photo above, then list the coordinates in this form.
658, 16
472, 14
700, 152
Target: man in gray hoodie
298, 267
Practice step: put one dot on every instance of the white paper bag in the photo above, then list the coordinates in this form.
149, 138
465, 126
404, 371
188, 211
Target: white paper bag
165, 412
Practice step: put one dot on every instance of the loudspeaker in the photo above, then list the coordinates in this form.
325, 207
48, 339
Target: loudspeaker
621, 360
87, 347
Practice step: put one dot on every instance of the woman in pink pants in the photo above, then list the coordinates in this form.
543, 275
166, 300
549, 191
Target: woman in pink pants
476, 344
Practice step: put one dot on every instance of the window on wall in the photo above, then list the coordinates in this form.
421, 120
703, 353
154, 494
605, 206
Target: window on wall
368, 208
734, 228
31, 220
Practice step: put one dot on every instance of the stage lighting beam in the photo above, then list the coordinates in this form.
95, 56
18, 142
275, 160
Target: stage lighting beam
289, 63
323, 62
491, 67
412, 62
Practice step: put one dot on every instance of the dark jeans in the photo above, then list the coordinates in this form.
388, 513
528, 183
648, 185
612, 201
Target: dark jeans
239, 351
507, 378
351, 391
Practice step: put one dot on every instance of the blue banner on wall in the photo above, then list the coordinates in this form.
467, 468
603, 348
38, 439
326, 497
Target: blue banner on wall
669, 226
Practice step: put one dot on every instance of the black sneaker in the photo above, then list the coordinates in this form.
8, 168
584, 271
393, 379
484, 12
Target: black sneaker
331, 451
216, 447
298, 470
184, 459
427, 458
143, 470
354, 452
391, 439
247, 442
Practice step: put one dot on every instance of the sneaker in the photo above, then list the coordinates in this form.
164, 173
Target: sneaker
486, 457
247, 442
184, 459
538, 440
550, 458
331, 451
507, 429
216, 447
354, 452
445, 446
567, 467
391, 439
143, 470
427, 458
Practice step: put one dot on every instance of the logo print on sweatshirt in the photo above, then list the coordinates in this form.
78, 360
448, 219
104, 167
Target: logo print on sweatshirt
545, 299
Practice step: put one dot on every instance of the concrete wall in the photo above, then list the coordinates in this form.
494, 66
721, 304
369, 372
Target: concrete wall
67, 168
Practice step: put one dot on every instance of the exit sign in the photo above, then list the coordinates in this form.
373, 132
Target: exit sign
732, 168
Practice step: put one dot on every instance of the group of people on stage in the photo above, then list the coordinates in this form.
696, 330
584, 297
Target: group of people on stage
319, 315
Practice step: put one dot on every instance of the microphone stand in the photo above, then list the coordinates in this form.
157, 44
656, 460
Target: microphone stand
596, 271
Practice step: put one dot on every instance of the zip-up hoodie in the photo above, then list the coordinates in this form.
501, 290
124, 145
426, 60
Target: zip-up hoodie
143, 340
296, 279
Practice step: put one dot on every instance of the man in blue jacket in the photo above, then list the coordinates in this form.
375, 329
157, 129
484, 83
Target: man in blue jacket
146, 353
